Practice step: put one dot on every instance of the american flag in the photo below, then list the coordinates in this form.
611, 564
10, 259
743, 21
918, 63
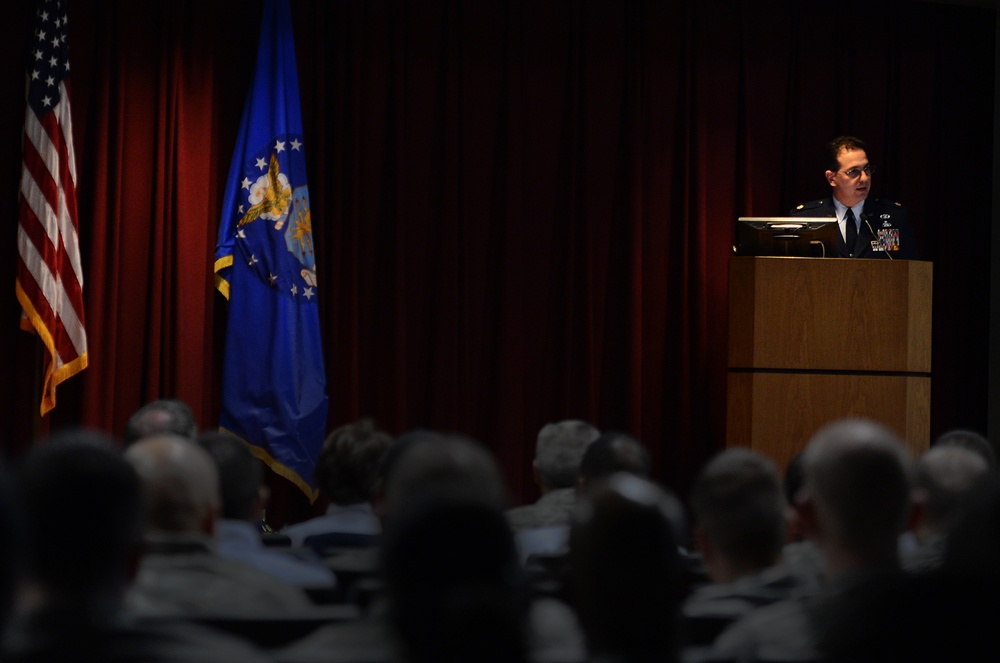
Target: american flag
49, 274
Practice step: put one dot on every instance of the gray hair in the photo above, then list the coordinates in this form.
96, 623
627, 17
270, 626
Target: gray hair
559, 450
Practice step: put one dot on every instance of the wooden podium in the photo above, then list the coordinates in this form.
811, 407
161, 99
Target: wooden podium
812, 340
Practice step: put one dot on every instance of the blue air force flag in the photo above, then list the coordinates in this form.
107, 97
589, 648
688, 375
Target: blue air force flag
273, 382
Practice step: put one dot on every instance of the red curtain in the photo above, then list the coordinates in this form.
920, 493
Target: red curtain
523, 210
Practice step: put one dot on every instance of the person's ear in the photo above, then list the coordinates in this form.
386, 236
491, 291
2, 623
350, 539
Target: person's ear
831, 177
918, 510
136, 553
703, 544
805, 507
208, 518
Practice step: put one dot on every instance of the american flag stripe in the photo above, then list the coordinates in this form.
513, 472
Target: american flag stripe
51, 300
46, 231
49, 271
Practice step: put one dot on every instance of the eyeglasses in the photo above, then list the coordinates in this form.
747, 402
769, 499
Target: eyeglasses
855, 173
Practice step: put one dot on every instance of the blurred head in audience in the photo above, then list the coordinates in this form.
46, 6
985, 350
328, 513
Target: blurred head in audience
946, 479
791, 484
240, 476
739, 513
180, 484
558, 452
625, 576
83, 514
613, 452
434, 466
448, 554
452, 581
857, 494
166, 415
971, 440
348, 466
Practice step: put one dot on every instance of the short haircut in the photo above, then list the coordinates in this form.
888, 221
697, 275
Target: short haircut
349, 464
180, 482
613, 452
239, 473
970, 439
438, 467
948, 476
165, 415
859, 476
625, 579
838, 144
84, 512
738, 502
453, 582
559, 450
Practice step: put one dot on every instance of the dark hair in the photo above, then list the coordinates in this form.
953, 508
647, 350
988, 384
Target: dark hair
84, 511
835, 146
349, 464
738, 501
239, 473
165, 415
612, 452
625, 580
453, 582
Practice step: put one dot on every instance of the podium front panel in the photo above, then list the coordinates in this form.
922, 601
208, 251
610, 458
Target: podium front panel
777, 413
829, 314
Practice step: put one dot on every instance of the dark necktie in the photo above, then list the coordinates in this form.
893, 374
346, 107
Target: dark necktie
852, 231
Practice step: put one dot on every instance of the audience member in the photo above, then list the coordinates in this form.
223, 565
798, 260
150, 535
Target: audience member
452, 583
165, 415
542, 528
181, 573
435, 467
347, 472
739, 528
244, 499
625, 578
855, 504
558, 452
612, 452
970, 439
946, 479
947, 614
83, 526
444, 500
800, 555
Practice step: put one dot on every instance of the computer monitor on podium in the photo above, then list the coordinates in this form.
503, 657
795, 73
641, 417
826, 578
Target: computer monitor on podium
809, 237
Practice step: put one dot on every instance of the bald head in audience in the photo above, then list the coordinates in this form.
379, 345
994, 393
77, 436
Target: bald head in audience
856, 497
971, 440
946, 477
164, 415
181, 484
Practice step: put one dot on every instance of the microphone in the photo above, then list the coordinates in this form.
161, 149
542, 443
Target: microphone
885, 249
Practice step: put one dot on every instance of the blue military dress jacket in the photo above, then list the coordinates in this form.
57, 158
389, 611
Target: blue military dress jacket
885, 230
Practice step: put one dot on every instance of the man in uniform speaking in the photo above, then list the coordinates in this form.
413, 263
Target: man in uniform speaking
869, 227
